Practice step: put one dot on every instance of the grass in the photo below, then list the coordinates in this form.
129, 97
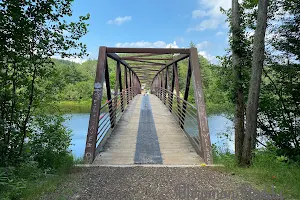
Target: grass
83, 106
47, 184
267, 170
28, 181
213, 108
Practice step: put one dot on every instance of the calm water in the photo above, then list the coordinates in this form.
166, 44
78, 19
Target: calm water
218, 124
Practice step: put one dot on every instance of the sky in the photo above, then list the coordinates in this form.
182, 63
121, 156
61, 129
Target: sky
155, 23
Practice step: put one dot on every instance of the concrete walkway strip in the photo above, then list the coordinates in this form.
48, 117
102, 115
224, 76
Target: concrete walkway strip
147, 146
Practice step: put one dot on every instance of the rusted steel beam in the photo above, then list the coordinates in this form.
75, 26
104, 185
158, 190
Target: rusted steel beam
90, 147
140, 55
118, 84
172, 88
175, 60
146, 67
145, 73
148, 62
142, 59
205, 146
163, 86
108, 92
146, 70
148, 50
186, 93
117, 58
120, 77
144, 64
166, 83
130, 83
177, 86
126, 84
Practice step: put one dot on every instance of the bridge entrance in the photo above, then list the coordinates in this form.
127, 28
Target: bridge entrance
156, 125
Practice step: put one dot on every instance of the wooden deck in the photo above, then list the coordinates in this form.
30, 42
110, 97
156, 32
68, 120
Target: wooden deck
120, 148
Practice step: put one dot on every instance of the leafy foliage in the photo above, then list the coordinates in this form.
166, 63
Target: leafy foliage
32, 32
278, 117
32, 143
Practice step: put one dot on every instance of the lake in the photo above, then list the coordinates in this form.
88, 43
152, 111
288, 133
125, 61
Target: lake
218, 124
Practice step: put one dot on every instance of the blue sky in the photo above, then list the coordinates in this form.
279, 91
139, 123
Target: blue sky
155, 23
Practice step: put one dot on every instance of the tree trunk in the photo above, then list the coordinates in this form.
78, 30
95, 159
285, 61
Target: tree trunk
239, 95
255, 82
31, 97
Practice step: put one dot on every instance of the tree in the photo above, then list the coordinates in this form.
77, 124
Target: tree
237, 67
255, 82
31, 33
279, 108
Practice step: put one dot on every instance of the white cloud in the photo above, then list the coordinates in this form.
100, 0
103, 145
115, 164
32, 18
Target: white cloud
72, 59
210, 9
206, 24
202, 45
209, 57
219, 33
213, 7
145, 44
180, 39
199, 13
119, 20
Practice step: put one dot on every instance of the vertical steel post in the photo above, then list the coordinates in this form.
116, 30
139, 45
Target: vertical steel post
112, 111
186, 93
133, 84
90, 147
126, 85
172, 88
117, 83
163, 86
177, 89
205, 147
120, 86
130, 83
166, 85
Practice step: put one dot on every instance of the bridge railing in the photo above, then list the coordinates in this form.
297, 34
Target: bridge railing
110, 114
103, 119
184, 112
191, 118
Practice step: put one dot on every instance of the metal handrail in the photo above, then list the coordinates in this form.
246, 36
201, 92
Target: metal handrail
113, 112
181, 110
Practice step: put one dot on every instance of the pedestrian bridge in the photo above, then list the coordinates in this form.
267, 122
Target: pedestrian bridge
159, 126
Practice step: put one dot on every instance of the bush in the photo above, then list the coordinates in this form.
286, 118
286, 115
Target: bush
11, 186
45, 155
49, 142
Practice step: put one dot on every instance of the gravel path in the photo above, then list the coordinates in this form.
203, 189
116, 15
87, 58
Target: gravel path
149, 183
